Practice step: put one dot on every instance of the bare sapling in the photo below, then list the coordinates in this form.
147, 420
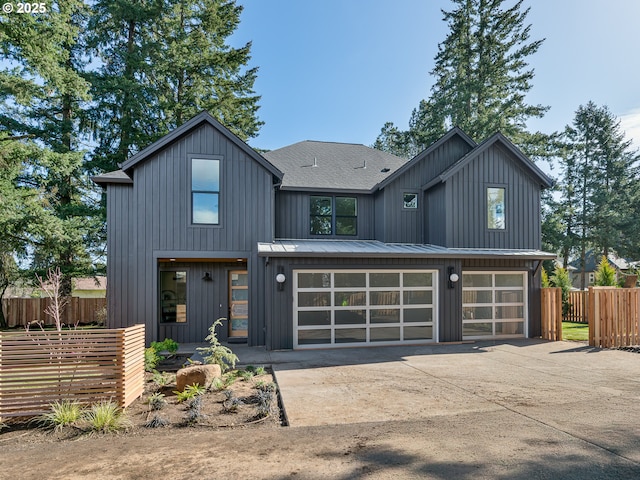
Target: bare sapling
52, 288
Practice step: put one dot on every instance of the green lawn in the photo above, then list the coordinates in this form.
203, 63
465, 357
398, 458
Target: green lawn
575, 331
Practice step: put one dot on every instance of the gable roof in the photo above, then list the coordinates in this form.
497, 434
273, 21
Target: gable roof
524, 161
455, 131
312, 165
184, 129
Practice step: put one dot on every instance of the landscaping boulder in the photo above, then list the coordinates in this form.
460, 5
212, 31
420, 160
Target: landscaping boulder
203, 375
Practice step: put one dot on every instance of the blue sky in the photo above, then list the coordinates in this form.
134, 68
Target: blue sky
337, 70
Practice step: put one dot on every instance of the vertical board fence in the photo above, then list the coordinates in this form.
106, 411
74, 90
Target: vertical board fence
38, 368
551, 313
614, 317
578, 307
21, 311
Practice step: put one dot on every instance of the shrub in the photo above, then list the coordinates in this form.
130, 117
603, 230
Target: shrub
545, 279
62, 414
605, 274
156, 401
189, 392
162, 379
216, 352
560, 278
167, 345
156, 422
151, 359
106, 417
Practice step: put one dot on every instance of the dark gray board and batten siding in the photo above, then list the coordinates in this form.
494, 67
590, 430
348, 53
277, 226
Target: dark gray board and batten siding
466, 203
408, 226
156, 210
293, 215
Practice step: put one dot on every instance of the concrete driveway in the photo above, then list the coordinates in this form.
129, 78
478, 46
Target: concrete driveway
566, 389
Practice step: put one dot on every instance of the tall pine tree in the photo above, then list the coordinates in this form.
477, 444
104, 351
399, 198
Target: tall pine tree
162, 63
599, 187
481, 78
42, 90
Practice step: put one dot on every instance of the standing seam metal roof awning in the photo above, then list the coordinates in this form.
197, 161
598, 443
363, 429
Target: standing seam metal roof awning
376, 249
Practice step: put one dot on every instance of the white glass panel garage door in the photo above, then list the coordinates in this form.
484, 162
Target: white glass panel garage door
494, 304
355, 307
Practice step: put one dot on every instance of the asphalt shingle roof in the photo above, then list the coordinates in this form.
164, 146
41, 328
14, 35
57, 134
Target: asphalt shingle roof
328, 165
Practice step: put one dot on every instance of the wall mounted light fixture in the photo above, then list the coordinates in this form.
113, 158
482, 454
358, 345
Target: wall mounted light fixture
453, 277
207, 277
281, 278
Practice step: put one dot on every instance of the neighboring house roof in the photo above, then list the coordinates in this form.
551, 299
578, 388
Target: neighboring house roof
204, 117
90, 283
327, 166
592, 259
497, 138
375, 248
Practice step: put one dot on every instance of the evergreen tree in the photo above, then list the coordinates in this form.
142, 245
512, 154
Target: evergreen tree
162, 63
42, 90
605, 274
198, 71
481, 78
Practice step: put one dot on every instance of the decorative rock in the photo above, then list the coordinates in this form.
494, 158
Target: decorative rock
203, 375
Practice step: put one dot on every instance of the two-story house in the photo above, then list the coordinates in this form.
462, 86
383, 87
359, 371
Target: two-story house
324, 244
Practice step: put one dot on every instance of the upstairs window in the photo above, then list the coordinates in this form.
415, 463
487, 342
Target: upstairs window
410, 201
496, 208
205, 191
333, 215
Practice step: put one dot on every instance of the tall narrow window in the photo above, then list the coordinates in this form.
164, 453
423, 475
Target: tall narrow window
205, 191
346, 216
496, 208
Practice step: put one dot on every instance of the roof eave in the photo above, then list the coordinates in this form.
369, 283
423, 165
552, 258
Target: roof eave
188, 126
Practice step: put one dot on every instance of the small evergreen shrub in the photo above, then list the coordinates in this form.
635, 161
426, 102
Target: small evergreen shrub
605, 274
157, 401
560, 278
167, 345
216, 352
156, 421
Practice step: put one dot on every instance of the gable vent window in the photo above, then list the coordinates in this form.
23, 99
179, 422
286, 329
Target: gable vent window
496, 208
333, 215
205, 191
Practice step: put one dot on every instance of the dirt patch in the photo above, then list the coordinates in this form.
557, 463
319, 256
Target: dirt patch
245, 398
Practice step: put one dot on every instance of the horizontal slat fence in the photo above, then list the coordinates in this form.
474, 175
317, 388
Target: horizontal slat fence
552, 313
21, 311
614, 317
38, 368
578, 307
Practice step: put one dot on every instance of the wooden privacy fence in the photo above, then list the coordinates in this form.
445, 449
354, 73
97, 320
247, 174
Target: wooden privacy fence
551, 312
38, 368
578, 307
20, 311
614, 316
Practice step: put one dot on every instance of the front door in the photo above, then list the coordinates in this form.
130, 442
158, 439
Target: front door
238, 303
